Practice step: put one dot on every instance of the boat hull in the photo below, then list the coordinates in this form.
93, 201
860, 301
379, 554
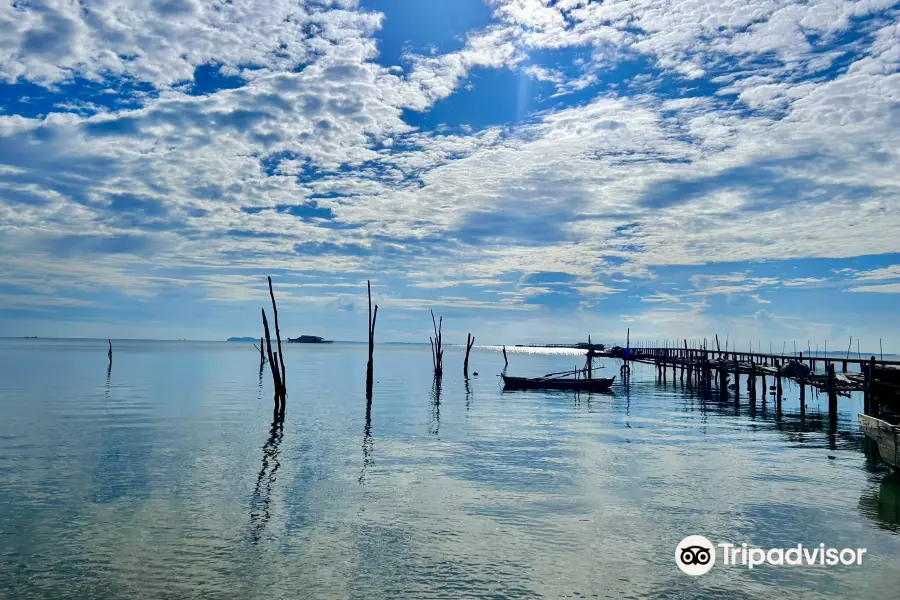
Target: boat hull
579, 385
886, 436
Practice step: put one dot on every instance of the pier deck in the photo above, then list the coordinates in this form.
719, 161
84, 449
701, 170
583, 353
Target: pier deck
878, 380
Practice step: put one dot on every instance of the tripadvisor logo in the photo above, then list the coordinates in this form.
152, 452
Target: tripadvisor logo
696, 555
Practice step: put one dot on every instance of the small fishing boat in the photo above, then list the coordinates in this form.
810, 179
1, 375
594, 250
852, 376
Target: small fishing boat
886, 434
550, 383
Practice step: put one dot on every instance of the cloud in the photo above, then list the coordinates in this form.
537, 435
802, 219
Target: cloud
890, 272
885, 288
681, 134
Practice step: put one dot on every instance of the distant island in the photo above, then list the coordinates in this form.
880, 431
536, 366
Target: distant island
242, 339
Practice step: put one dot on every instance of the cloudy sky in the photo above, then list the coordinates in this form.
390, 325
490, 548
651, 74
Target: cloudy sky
531, 169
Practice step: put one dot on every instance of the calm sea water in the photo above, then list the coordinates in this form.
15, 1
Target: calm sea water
165, 477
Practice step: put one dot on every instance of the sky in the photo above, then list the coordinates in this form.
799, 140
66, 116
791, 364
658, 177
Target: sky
532, 170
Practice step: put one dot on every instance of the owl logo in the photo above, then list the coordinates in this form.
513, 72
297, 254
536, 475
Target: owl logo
695, 555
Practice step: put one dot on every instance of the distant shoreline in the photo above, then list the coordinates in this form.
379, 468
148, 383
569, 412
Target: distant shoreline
509, 347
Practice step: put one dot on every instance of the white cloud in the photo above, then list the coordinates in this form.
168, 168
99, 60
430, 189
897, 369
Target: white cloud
885, 288
618, 185
891, 272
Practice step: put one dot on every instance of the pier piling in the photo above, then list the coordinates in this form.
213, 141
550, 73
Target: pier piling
831, 386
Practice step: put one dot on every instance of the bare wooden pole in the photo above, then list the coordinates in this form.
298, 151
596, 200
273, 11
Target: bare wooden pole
262, 357
370, 365
470, 341
276, 378
505, 361
278, 337
438, 358
109, 354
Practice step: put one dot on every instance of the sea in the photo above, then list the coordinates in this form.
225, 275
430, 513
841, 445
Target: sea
167, 474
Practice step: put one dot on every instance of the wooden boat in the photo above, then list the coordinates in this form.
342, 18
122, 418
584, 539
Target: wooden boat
886, 435
601, 384
309, 339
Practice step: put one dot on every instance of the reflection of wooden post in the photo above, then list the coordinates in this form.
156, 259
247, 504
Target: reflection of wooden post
802, 394
470, 341
370, 365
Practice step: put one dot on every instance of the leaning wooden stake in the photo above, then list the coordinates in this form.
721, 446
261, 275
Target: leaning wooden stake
470, 341
262, 357
436, 349
280, 353
370, 365
276, 377
109, 354
505, 362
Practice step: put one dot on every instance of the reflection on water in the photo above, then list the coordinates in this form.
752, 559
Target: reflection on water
882, 504
368, 444
142, 487
435, 422
262, 494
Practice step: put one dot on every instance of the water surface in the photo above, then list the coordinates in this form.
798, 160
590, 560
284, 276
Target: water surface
166, 476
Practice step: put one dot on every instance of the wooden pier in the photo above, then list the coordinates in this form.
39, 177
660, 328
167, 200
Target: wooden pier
878, 380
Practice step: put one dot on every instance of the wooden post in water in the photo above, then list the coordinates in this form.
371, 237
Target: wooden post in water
723, 377
436, 349
370, 365
751, 382
626, 368
276, 376
874, 404
283, 375
832, 392
864, 367
505, 362
109, 354
844, 364
737, 379
470, 341
707, 374
778, 382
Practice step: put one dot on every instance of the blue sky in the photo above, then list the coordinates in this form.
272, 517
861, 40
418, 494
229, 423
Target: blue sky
534, 170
